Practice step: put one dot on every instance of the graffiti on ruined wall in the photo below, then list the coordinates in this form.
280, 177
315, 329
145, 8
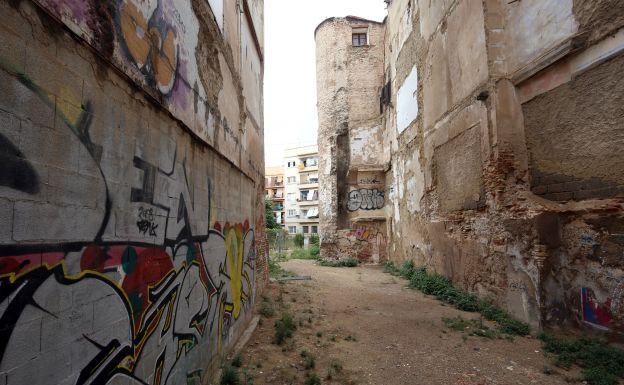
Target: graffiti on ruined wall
602, 314
106, 311
365, 242
152, 41
365, 199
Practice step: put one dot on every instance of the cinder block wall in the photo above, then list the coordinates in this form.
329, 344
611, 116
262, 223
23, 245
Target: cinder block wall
131, 189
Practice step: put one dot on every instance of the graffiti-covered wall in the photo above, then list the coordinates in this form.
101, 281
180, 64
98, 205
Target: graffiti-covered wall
130, 189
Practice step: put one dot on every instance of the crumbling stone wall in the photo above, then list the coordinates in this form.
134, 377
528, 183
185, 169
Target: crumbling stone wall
350, 137
131, 190
504, 173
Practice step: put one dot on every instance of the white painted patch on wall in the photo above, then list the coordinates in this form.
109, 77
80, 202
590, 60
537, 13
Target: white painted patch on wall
217, 9
407, 101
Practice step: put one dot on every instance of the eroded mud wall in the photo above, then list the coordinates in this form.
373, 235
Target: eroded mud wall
131, 189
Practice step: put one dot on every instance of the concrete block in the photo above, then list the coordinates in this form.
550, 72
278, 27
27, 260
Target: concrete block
50, 368
23, 345
466, 48
36, 221
62, 150
66, 328
431, 14
6, 223
68, 187
10, 127
24, 103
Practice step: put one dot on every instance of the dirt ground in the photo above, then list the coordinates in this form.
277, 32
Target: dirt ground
364, 326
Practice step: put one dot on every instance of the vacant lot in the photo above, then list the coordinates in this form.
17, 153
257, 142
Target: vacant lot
362, 326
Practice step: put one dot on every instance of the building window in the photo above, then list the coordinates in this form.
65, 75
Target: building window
292, 229
314, 229
359, 39
292, 179
292, 213
306, 229
291, 197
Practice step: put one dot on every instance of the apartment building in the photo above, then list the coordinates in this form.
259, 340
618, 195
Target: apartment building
274, 187
301, 188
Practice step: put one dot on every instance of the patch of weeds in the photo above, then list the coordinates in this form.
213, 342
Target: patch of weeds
230, 376
346, 262
442, 288
350, 338
237, 361
333, 339
319, 334
602, 364
304, 253
284, 328
266, 308
249, 378
309, 361
313, 379
333, 369
276, 271
472, 327
389, 267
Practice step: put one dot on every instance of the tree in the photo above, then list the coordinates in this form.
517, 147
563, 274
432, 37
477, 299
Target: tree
271, 223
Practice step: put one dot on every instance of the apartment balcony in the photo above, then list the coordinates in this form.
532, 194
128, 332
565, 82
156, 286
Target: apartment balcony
274, 184
308, 184
303, 202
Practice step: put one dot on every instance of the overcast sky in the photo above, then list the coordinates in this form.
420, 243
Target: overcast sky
290, 117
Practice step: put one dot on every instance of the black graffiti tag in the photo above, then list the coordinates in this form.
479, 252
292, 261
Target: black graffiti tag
365, 199
146, 221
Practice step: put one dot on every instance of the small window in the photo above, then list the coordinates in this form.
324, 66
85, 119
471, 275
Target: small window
314, 229
359, 39
292, 179
306, 229
292, 229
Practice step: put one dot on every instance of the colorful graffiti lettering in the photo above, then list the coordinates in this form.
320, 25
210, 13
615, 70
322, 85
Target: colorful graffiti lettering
365, 199
107, 311
149, 41
593, 312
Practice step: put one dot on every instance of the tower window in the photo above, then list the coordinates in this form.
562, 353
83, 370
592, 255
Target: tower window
360, 39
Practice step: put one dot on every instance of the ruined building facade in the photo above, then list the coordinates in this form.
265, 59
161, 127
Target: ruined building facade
131, 188
481, 139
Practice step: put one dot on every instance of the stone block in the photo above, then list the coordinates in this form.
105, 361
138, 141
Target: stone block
436, 92
431, 14
458, 172
466, 49
6, 223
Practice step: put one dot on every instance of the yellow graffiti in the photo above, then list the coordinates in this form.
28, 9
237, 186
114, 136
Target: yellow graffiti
235, 263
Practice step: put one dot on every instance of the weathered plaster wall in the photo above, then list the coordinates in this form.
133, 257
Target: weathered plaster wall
500, 142
131, 250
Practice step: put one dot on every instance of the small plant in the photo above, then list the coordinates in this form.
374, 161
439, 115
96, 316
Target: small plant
346, 262
302, 254
334, 368
276, 271
237, 361
299, 240
406, 269
313, 379
314, 240
315, 251
229, 376
284, 328
266, 308
319, 334
309, 359
350, 338
389, 267
602, 364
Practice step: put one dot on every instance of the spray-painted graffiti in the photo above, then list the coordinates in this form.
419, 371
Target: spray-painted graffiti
365, 199
154, 42
146, 308
150, 41
594, 312
366, 243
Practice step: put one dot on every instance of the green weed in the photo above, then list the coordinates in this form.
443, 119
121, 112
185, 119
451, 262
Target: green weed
284, 328
229, 376
602, 364
237, 361
442, 288
313, 379
346, 262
